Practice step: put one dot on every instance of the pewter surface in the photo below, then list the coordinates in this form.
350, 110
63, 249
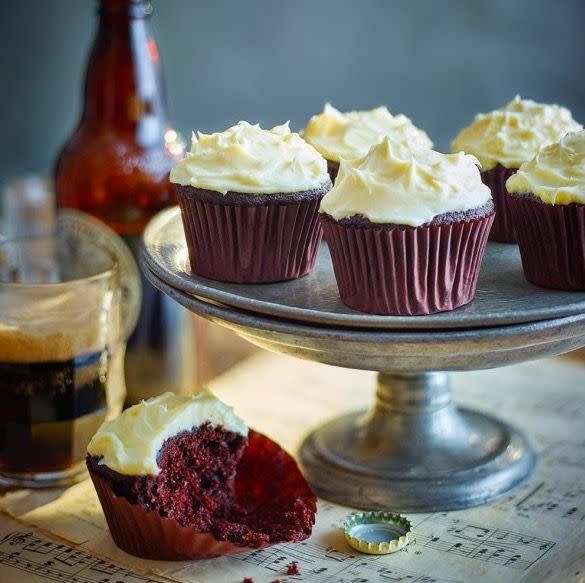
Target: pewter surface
414, 450
405, 351
503, 295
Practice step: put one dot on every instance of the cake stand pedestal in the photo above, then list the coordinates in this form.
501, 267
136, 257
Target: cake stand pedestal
414, 450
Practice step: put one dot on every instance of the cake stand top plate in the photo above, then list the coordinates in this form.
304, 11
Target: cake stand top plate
503, 295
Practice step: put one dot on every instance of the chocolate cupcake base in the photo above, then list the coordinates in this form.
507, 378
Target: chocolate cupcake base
551, 240
503, 228
333, 169
400, 270
251, 238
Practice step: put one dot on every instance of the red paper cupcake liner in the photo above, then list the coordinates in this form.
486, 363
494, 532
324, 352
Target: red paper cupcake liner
257, 243
503, 227
552, 242
407, 271
268, 484
150, 536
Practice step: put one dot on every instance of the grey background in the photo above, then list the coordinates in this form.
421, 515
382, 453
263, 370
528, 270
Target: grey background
438, 61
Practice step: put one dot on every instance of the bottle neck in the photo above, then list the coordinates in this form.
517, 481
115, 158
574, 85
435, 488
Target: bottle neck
123, 86
124, 8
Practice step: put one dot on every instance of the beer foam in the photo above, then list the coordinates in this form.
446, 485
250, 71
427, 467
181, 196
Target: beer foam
38, 325
20, 346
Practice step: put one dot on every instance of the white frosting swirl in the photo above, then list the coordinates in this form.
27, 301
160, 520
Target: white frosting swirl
350, 135
130, 443
393, 184
556, 174
245, 158
514, 133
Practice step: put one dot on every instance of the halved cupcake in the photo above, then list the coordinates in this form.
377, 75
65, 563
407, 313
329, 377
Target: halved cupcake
503, 140
547, 202
249, 200
407, 230
183, 478
350, 135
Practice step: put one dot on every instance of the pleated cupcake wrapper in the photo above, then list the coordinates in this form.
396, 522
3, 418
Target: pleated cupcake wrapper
407, 271
148, 535
264, 471
552, 242
251, 243
503, 227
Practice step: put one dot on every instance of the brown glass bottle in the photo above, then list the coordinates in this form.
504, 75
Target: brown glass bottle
116, 167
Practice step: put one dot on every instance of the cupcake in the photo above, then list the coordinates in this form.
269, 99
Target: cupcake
547, 203
407, 230
184, 478
504, 139
350, 135
249, 200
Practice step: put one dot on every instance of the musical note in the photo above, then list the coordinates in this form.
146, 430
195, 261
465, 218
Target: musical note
72, 557
493, 545
41, 547
57, 562
566, 453
558, 501
336, 555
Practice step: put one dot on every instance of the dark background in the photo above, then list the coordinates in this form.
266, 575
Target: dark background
437, 61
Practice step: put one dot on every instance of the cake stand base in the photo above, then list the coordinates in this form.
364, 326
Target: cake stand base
415, 451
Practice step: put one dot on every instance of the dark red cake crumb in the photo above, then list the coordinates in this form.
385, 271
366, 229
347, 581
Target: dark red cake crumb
248, 492
248, 580
293, 568
195, 482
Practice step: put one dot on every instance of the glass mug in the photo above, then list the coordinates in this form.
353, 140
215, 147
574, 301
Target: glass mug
61, 354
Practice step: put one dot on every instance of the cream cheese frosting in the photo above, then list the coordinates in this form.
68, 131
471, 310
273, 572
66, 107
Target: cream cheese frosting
350, 135
556, 174
247, 159
130, 443
394, 184
514, 133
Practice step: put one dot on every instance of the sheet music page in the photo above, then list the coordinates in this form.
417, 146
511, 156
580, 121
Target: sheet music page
534, 534
26, 555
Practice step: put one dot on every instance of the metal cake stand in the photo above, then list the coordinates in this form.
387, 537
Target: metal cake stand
414, 450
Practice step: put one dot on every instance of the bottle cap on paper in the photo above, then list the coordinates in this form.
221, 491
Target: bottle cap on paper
378, 532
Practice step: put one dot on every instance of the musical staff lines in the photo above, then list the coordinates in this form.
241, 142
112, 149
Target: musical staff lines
25, 551
558, 501
492, 545
327, 564
566, 453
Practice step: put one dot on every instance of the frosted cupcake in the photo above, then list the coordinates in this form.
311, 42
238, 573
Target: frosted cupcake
547, 202
503, 140
350, 135
249, 200
184, 478
407, 230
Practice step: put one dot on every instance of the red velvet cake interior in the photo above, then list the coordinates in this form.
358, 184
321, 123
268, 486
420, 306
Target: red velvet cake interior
244, 490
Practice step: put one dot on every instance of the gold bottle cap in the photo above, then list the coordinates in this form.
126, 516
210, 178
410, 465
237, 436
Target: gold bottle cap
378, 532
